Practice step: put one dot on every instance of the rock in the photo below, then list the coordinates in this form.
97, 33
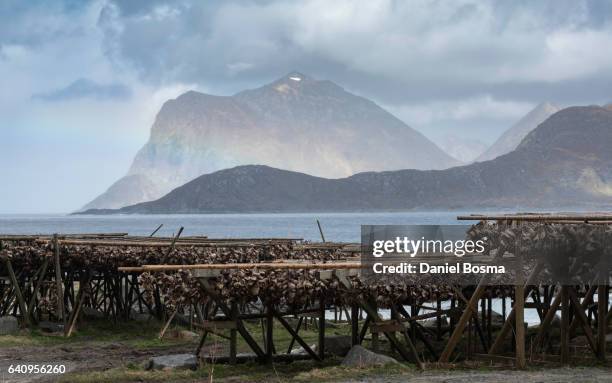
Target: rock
46, 326
173, 362
91, 313
497, 320
359, 356
8, 325
302, 351
432, 323
338, 345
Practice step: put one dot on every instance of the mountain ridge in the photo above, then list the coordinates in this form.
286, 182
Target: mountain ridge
512, 137
295, 122
565, 161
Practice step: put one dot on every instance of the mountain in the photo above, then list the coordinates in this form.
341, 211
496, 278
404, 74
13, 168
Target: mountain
463, 149
296, 123
513, 136
566, 162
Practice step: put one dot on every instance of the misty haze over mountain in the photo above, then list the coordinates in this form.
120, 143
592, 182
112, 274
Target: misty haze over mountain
512, 137
295, 123
565, 162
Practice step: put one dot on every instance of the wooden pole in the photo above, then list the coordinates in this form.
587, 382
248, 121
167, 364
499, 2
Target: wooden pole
564, 345
507, 326
519, 326
602, 323
321, 231
156, 230
165, 328
321, 327
58, 281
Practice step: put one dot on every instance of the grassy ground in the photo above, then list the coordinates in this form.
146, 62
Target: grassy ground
303, 371
103, 351
132, 334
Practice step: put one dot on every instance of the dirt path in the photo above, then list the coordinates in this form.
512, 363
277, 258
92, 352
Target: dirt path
551, 375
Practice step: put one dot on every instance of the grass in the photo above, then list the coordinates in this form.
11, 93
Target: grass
133, 334
299, 372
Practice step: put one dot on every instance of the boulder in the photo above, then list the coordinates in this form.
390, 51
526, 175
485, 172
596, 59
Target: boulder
8, 325
432, 323
359, 356
497, 320
338, 345
173, 362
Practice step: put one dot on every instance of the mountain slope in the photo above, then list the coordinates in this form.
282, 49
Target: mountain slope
296, 123
565, 162
464, 149
512, 137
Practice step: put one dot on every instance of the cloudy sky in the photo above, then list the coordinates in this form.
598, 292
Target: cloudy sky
81, 81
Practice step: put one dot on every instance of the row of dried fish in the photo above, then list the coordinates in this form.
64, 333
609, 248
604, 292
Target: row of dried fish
26, 256
568, 253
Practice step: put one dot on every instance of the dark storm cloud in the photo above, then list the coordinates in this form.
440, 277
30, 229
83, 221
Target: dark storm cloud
395, 52
32, 23
85, 88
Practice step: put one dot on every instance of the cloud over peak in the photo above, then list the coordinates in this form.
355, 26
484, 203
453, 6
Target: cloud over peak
86, 88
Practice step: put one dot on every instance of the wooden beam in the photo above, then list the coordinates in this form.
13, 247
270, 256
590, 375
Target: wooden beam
304, 345
519, 326
548, 318
588, 299
581, 317
58, 280
463, 320
564, 345
18, 294
602, 323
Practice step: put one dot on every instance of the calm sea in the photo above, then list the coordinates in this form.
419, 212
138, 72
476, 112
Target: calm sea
340, 227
